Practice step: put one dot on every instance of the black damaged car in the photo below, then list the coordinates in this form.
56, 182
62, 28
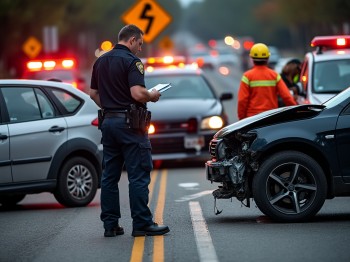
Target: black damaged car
289, 160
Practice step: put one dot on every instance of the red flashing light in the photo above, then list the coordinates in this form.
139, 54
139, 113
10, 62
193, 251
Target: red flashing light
68, 63
49, 65
166, 61
212, 43
248, 45
34, 65
214, 53
37, 65
337, 41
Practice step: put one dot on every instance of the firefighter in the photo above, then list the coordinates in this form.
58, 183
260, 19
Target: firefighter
260, 86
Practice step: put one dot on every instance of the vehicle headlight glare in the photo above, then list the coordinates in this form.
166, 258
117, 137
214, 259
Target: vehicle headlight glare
213, 122
151, 129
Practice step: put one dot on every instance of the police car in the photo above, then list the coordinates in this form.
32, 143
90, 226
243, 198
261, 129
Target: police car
187, 115
326, 70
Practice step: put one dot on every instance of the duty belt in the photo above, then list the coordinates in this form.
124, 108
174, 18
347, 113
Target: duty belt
110, 114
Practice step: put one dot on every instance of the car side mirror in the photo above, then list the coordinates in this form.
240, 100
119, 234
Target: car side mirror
226, 96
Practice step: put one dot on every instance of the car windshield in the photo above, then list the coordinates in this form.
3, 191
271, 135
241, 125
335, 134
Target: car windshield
331, 76
183, 86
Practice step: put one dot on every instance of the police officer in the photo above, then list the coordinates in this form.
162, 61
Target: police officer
117, 83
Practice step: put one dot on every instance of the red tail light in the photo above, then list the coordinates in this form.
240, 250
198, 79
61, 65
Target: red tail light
95, 122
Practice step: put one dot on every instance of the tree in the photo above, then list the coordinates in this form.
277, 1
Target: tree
301, 20
82, 25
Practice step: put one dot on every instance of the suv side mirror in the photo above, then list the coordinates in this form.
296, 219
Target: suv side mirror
226, 96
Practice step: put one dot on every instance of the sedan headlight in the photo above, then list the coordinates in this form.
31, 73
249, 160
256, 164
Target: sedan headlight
220, 150
213, 122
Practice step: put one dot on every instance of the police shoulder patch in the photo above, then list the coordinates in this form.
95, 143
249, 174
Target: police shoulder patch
139, 66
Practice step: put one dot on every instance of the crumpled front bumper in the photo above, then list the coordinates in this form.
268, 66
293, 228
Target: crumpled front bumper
218, 171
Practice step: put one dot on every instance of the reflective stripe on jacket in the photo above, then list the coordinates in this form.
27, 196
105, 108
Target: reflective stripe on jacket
259, 90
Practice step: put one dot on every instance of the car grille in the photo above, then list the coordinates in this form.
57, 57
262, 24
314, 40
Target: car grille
168, 145
163, 128
212, 147
172, 127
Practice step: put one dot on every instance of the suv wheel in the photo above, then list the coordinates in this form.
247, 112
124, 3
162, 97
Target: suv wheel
10, 200
290, 187
77, 183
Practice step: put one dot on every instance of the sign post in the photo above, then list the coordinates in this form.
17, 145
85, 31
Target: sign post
50, 39
149, 16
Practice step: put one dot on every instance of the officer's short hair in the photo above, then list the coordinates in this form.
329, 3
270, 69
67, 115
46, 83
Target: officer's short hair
129, 31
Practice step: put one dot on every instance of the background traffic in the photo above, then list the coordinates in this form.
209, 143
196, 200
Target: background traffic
78, 28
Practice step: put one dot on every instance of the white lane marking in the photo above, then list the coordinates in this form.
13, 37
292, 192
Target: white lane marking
194, 196
204, 243
189, 185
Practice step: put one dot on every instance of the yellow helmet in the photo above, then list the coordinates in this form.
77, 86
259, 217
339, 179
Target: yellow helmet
259, 51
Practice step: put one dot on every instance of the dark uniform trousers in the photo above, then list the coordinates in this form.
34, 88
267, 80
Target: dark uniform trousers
120, 144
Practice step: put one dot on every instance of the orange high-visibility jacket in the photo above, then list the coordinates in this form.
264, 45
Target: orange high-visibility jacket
259, 90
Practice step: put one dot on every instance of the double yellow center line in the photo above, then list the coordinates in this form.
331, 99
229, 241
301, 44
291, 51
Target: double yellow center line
158, 241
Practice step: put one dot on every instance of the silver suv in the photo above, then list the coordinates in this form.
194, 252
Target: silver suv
49, 142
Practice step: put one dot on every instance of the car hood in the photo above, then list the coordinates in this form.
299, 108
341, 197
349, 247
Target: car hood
170, 109
275, 116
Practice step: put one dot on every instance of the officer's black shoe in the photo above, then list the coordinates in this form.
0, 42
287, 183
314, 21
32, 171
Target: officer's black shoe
116, 231
152, 230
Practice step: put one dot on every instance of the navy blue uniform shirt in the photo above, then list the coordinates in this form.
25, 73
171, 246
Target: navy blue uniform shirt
113, 74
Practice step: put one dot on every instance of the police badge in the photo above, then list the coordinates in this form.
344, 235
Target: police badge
139, 66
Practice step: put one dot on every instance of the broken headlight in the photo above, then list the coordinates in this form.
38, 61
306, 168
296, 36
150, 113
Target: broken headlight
221, 150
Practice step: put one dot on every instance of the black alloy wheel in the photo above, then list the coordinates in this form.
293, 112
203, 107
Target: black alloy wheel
290, 186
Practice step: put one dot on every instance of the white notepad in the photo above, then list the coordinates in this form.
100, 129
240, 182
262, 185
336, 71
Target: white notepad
161, 87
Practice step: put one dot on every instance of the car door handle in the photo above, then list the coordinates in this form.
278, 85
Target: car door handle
3, 137
56, 129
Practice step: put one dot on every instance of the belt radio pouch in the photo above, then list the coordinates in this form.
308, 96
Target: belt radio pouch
138, 117
100, 115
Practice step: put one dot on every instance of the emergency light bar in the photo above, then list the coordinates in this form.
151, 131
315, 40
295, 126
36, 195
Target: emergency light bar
165, 61
50, 64
337, 41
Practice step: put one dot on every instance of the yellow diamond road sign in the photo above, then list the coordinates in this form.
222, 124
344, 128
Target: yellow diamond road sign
32, 47
166, 43
148, 16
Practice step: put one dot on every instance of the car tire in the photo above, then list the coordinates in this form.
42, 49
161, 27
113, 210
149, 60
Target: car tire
289, 186
77, 183
10, 200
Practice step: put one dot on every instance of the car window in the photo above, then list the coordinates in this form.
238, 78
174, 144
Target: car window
331, 76
183, 86
68, 101
47, 109
23, 104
